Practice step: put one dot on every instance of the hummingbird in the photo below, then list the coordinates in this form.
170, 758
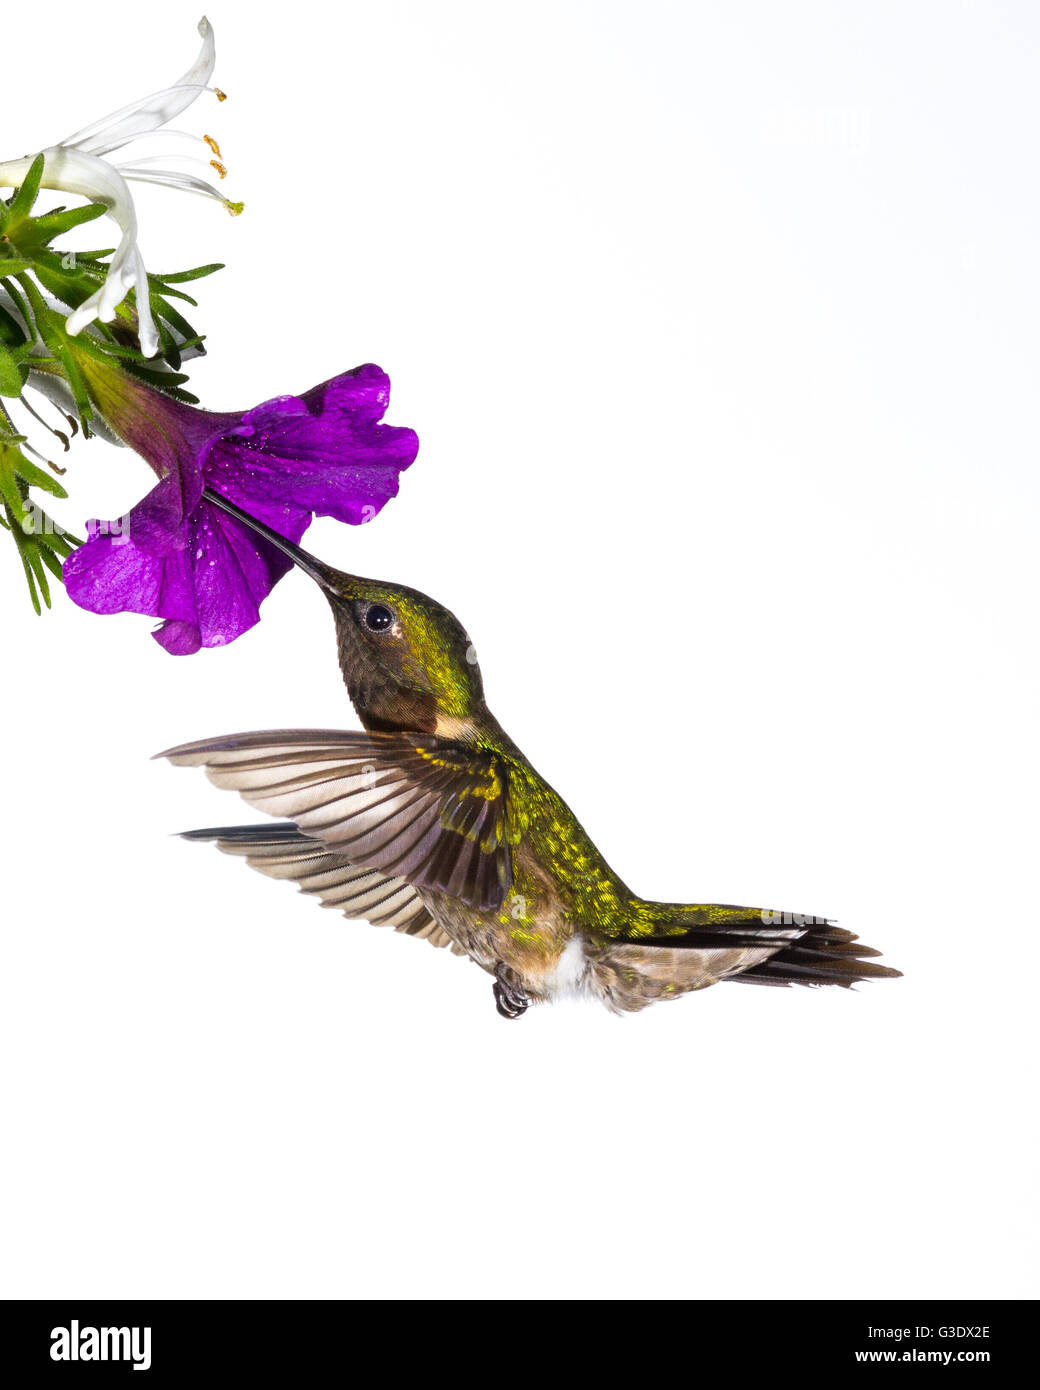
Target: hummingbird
433, 822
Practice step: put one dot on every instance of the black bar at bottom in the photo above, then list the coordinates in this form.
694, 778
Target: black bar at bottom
304, 1343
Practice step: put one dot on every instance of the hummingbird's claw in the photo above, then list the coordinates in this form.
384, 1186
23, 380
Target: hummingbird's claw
510, 999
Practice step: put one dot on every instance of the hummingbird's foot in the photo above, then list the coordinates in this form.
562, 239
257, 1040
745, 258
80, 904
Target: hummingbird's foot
510, 999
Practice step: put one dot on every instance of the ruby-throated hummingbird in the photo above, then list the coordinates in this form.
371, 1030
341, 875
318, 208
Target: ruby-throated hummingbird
434, 822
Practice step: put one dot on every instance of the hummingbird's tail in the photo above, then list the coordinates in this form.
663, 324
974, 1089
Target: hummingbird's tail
801, 950
825, 955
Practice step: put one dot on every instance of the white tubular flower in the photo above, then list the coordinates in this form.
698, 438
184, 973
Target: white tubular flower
78, 165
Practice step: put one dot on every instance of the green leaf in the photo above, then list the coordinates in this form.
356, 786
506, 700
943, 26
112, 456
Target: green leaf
13, 495
155, 376
10, 377
44, 229
176, 320
64, 543
40, 550
21, 204
31, 553
71, 287
51, 560
12, 333
181, 277
13, 293
169, 350
36, 477
30, 578
13, 265
51, 327
109, 347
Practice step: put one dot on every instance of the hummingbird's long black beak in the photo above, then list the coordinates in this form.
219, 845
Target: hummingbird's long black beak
322, 574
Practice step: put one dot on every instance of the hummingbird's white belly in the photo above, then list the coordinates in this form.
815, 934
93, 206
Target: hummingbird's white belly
570, 976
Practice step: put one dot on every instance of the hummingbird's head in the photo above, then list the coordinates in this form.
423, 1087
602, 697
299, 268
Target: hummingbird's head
406, 660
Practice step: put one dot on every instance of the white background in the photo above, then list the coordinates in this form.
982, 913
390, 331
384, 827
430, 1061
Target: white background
718, 323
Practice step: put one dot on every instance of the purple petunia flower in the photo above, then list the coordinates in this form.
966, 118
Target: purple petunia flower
178, 557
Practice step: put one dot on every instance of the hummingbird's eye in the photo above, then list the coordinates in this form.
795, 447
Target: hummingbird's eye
378, 617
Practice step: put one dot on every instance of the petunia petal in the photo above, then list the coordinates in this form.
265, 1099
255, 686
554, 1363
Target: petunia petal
363, 394
110, 575
178, 638
231, 574
324, 452
209, 592
157, 523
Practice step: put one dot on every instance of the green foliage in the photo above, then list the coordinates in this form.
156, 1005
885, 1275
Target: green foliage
41, 543
36, 280
32, 327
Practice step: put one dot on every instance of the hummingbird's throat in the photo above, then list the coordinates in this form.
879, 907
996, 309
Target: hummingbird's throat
383, 704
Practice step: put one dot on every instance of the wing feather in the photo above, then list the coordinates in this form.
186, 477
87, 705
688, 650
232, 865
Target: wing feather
426, 810
282, 851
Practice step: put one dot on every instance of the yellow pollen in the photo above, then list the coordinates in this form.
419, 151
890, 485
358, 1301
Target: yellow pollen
220, 96
216, 164
213, 145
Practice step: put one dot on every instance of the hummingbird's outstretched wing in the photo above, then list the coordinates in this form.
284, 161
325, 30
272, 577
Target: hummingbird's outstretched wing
281, 850
412, 806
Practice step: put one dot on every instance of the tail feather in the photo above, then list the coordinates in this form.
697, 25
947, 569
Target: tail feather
825, 955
